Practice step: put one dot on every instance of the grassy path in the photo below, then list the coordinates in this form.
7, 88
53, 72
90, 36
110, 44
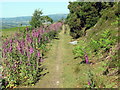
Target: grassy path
59, 63
54, 65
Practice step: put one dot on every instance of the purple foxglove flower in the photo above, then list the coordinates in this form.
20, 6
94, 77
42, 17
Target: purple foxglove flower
31, 50
22, 43
15, 41
86, 59
39, 39
17, 34
5, 50
42, 31
27, 28
38, 54
6, 83
20, 62
29, 64
36, 34
89, 83
18, 48
33, 33
41, 60
11, 41
10, 49
6, 43
28, 38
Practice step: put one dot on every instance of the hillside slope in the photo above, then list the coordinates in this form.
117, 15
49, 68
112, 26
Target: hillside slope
101, 46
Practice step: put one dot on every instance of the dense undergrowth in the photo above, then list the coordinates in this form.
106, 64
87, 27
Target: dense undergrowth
98, 50
23, 55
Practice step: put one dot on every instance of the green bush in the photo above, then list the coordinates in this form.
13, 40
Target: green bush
79, 52
94, 47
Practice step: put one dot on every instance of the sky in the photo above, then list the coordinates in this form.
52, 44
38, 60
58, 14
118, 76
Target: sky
24, 8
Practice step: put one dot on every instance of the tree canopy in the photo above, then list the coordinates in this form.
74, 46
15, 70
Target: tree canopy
36, 20
46, 19
84, 15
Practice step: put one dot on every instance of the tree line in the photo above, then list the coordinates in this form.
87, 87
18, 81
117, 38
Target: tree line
84, 15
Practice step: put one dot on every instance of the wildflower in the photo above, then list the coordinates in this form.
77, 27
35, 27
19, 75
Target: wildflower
86, 59
27, 28
10, 49
31, 50
39, 39
20, 62
38, 54
22, 43
36, 34
89, 83
15, 41
28, 38
33, 33
41, 60
10, 41
6, 43
5, 50
18, 48
29, 64
6, 83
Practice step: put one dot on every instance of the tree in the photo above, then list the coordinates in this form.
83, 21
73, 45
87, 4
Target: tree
84, 15
46, 19
36, 20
